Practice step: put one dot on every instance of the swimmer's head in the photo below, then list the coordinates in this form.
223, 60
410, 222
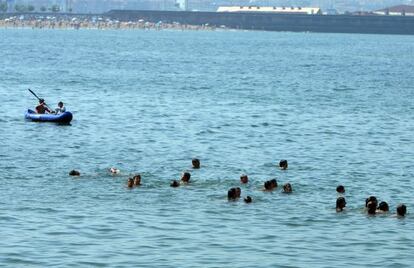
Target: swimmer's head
340, 203
401, 210
130, 183
231, 194
174, 183
248, 199
196, 163
371, 199
283, 164
186, 177
244, 179
340, 189
371, 207
287, 188
114, 170
74, 173
383, 206
137, 179
238, 191
268, 185
273, 183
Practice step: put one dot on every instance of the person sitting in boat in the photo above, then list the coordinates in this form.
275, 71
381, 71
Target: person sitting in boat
42, 108
60, 109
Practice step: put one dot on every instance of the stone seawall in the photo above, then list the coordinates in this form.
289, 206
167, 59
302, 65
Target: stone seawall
372, 24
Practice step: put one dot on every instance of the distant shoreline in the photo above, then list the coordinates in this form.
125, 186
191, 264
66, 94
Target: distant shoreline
76, 24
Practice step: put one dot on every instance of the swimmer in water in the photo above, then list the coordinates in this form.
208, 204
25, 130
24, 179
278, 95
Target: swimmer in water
340, 204
401, 210
340, 189
238, 192
137, 180
383, 207
283, 164
268, 186
287, 188
175, 183
232, 194
196, 163
130, 183
248, 199
185, 178
273, 183
371, 199
371, 207
74, 173
244, 179
114, 171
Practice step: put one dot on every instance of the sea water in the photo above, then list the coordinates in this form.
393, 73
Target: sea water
338, 107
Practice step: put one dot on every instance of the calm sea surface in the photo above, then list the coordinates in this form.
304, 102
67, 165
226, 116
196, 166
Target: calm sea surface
338, 107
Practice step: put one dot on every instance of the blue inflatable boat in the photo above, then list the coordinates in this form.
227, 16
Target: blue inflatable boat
63, 118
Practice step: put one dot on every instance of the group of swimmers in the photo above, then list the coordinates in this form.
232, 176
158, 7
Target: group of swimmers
270, 185
371, 203
134, 181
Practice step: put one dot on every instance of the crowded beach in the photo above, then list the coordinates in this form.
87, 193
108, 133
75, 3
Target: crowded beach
94, 22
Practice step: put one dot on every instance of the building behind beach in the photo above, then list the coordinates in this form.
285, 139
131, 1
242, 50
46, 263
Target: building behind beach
93, 6
101, 6
400, 10
274, 10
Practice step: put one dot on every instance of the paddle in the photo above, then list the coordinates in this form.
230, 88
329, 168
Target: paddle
34, 94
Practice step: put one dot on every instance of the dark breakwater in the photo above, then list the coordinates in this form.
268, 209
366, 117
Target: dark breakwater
277, 22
